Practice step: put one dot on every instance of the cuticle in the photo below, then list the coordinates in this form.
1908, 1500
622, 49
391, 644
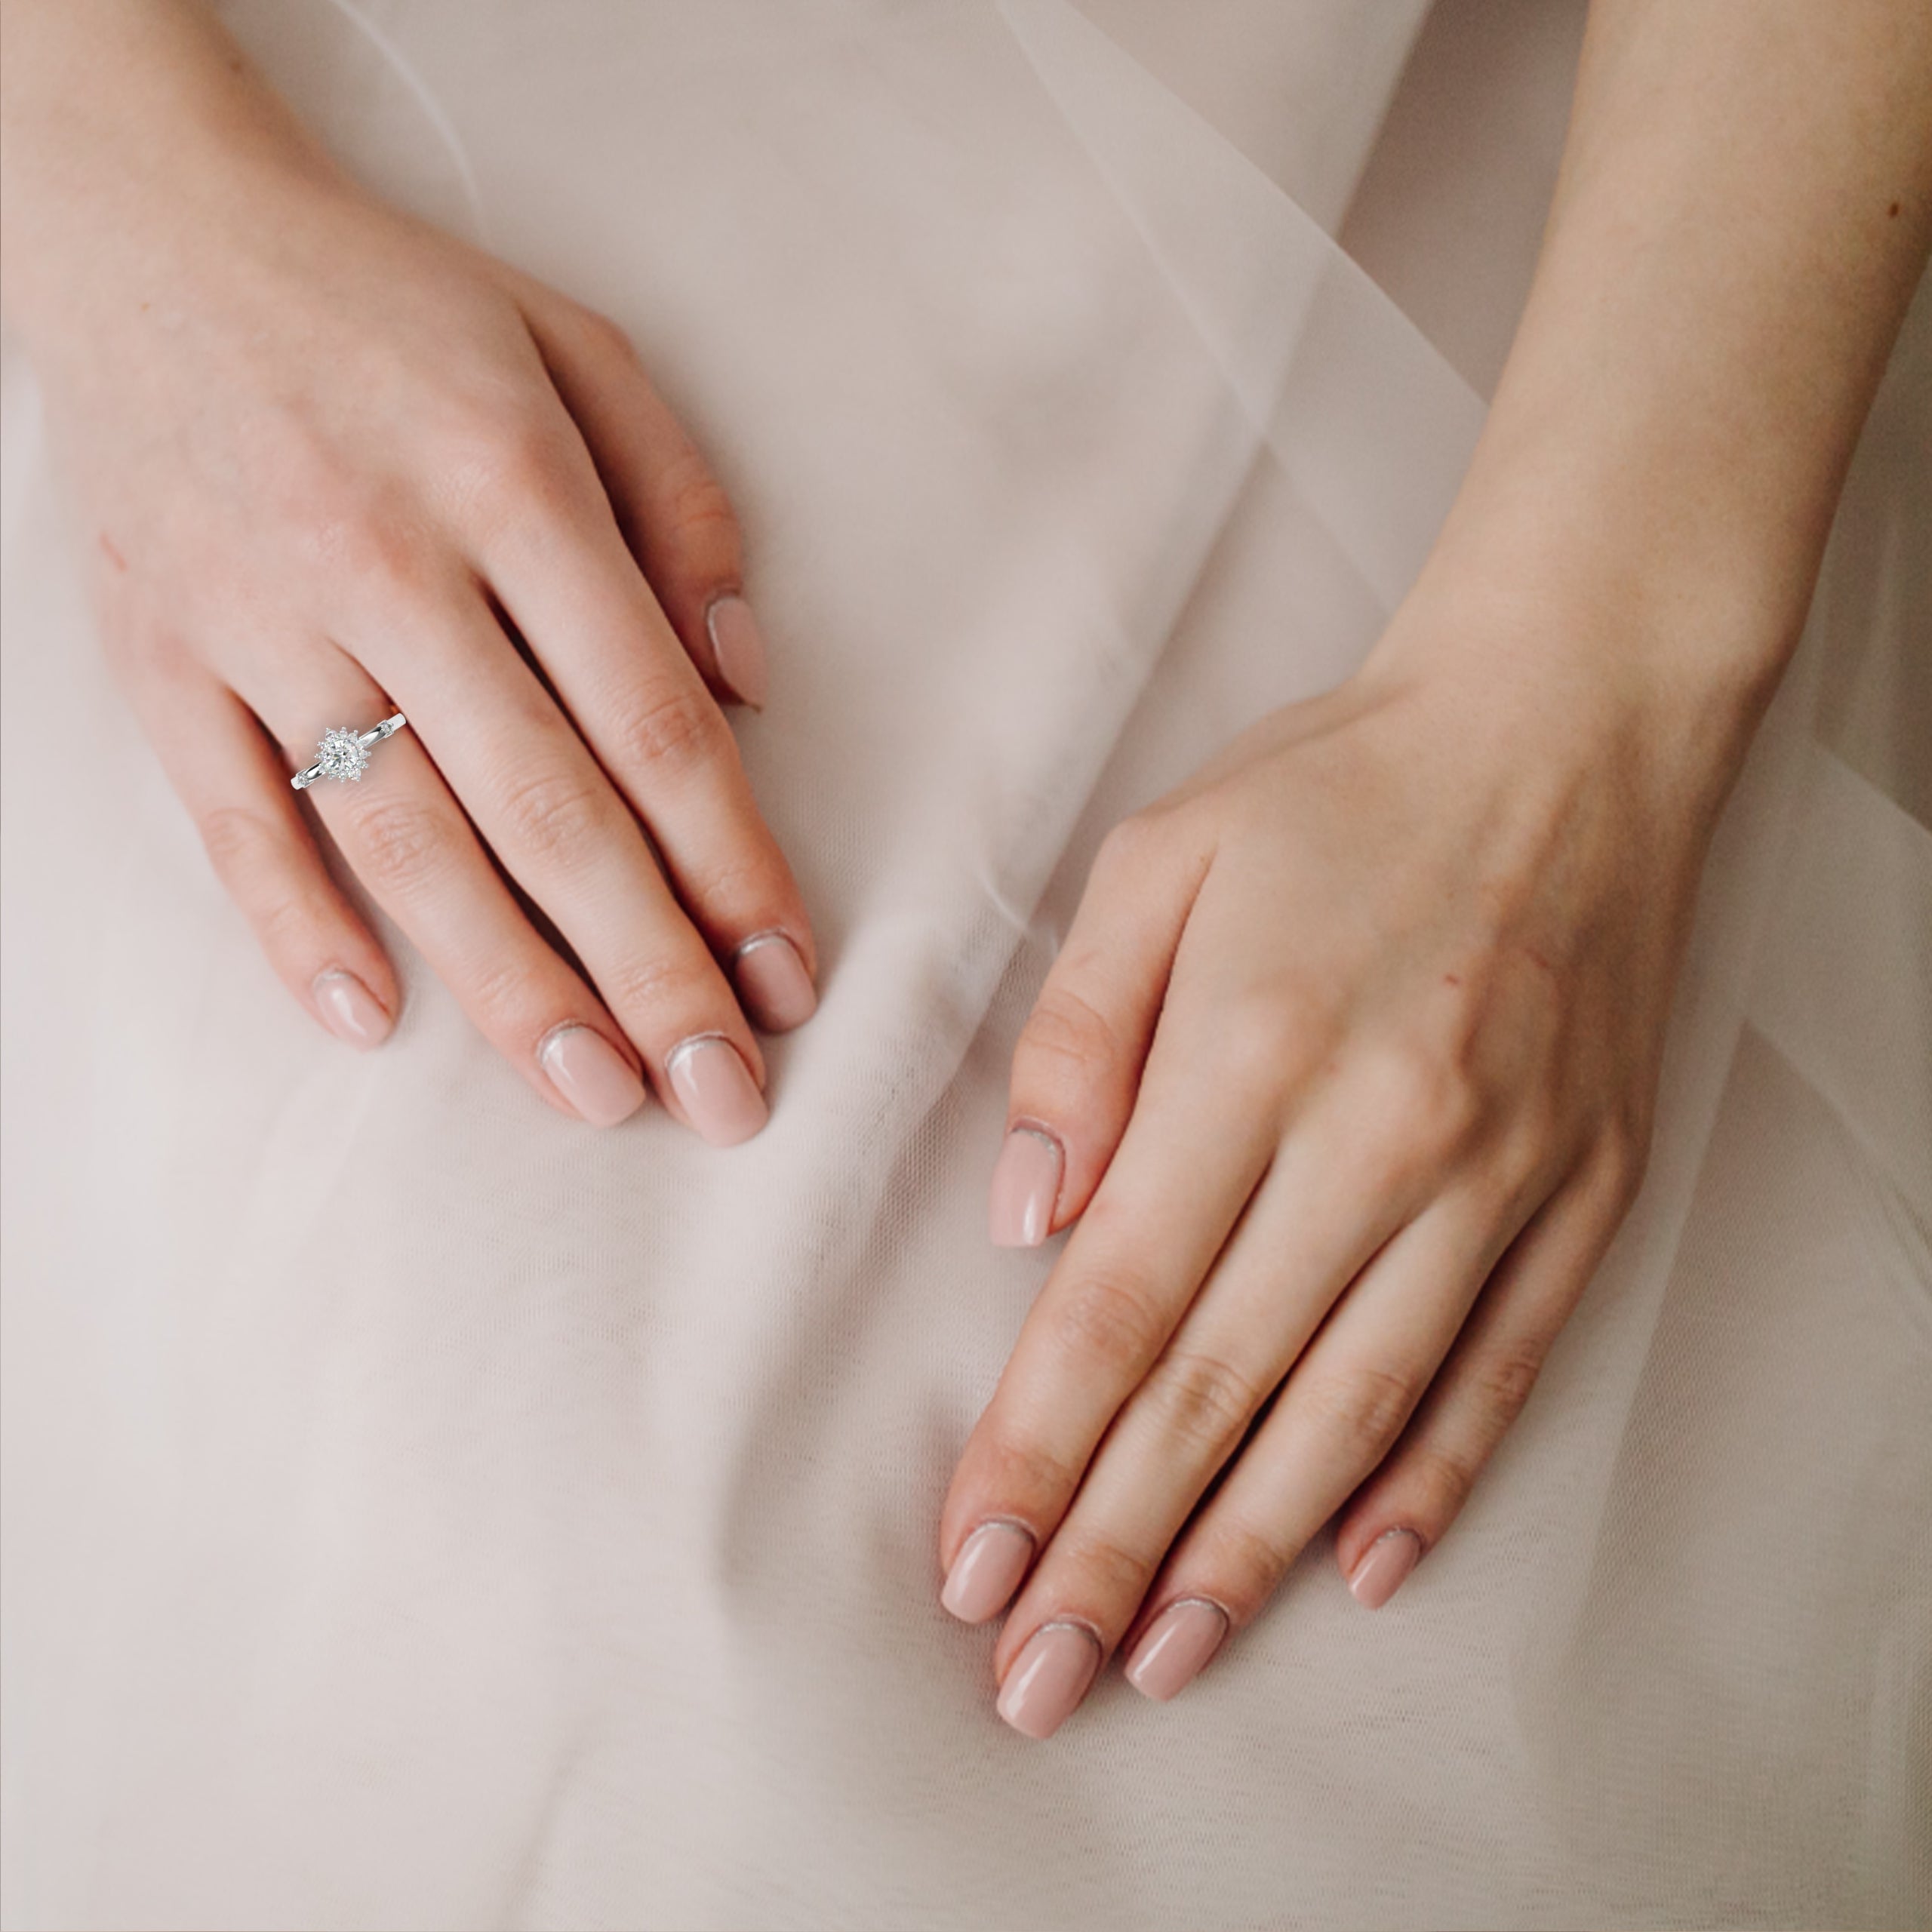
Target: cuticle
760, 938
562, 1026
689, 1042
1012, 1522
1026, 1124
1192, 1596
1072, 1623
1376, 1542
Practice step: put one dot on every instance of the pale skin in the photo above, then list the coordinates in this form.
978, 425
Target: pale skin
1349, 1056
321, 447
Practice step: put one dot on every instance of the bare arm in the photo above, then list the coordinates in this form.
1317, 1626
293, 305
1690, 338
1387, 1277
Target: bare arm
1345, 1069
1744, 209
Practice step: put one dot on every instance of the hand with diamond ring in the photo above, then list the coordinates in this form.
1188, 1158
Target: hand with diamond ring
333, 465
1343, 1076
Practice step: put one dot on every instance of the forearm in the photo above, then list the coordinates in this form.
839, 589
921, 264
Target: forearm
124, 124
1742, 213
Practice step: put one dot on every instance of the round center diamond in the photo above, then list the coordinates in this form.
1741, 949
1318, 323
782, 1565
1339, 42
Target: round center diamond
343, 754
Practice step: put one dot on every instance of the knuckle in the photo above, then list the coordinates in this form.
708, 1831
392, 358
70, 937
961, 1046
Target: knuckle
1026, 1468
1066, 1030
239, 843
558, 816
1263, 1045
501, 989
401, 845
385, 556
696, 507
1248, 1564
1625, 1155
1112, 1571
1205, 1401
1502, 1381
285, 924
752, 888
1111, 1321
1441, 1482
1433, 1104
1363, 1408
516, 468
656, 985
672, 729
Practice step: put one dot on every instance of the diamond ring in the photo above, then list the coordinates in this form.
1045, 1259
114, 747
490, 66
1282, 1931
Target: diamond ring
344, 753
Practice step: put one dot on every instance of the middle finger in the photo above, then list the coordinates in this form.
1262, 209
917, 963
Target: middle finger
546, 808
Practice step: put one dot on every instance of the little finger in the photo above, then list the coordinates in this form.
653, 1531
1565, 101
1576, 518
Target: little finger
226, 770
1408, 1504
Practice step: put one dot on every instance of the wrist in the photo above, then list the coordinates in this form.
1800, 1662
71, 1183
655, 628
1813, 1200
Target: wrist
119, 163
1556, 639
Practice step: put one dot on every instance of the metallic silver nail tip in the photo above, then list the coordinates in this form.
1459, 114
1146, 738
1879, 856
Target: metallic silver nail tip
556, 1033
1007, 1522
1172, 1601
745, 945
1400, 1529
1073, 1623
689, 1044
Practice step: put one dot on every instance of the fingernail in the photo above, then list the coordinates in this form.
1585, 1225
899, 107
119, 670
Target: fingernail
717, 1089
1025, 1185
773, 982
1177, 1643
987, 1571
590, 1073
740, 649
1049, 1678
349, 1009
1379, 1575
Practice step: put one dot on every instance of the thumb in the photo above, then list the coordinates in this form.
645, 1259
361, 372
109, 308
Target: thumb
1077, 1066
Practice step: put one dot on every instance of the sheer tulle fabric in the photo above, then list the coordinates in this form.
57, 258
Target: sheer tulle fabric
422, 1511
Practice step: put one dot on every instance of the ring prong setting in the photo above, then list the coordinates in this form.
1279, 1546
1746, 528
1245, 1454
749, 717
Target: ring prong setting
342, 754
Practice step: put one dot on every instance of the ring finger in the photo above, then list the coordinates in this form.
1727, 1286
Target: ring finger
406, 838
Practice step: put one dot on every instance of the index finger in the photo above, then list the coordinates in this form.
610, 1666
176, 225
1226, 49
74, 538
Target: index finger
1192, 1155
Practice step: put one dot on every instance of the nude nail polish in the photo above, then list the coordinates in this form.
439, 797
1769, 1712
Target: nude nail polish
1174, 1647
1389, 1559
773, 983
739, 647
987, 1571
1049, 1678
717, 1089
1025, 1186
349, 1009
590, 1073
